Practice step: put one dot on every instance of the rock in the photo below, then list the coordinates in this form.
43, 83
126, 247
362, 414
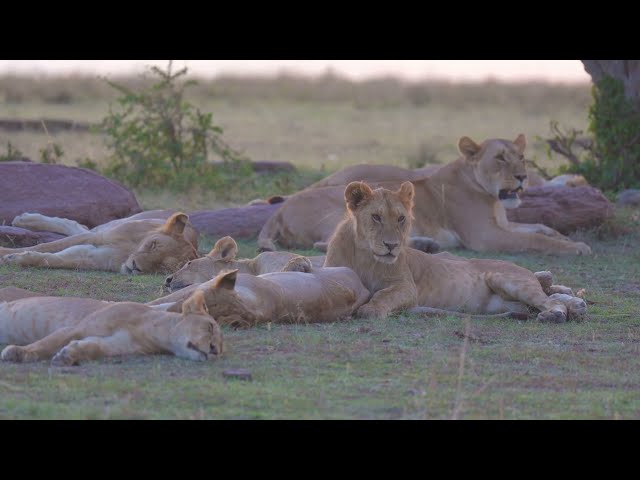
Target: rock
266, 166
565, 209
59, 191
239, 223
272, 167
238, 374
15, 237
629, 198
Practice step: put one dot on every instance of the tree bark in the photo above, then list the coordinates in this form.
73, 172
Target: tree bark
627, 71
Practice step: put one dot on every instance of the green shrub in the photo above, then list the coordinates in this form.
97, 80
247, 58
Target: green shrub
158, 139
613, 161
12, 154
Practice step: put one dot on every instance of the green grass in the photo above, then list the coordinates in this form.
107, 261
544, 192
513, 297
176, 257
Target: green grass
405, 367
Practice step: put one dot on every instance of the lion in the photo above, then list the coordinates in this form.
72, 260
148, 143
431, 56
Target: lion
72, 330
223, 257
462, 204
372, 240
244, 300
138, 244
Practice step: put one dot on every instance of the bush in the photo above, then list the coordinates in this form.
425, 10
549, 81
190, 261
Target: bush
160, 140
12, 154
613, 161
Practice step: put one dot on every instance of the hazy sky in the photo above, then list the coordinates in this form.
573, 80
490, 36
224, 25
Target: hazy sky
455, 70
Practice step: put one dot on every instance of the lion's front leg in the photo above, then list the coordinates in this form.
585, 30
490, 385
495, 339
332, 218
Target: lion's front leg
537, 228
389, 300
43, 349
93, 348
85, 257
506, 240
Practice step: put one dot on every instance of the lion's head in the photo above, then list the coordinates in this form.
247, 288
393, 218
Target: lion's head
382, 218
197, 336
200, 270
224, 303
498, 166
163, 250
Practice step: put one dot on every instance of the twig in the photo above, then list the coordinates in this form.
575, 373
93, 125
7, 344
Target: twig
458, 405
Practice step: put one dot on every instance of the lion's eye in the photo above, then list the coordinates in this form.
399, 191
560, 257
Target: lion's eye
501, 157
401, 219
376, 218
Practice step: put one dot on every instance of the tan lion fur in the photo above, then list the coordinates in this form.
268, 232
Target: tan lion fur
372, 239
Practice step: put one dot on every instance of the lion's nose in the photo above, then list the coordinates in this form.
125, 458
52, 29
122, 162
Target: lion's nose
520, 177
390, 246
213, 349
167, 281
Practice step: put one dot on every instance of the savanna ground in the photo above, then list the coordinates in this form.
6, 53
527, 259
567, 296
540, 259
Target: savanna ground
405, 367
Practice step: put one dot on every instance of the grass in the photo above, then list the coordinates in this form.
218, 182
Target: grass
405, 367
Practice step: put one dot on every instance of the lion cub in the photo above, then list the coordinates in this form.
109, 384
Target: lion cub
372, 240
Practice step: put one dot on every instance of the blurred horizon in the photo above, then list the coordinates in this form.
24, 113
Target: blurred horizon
552, 71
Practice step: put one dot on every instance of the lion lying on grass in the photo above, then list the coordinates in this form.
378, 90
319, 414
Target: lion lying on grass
223, 257
372, 239
72, 330
243, 300
461, 205
137, 244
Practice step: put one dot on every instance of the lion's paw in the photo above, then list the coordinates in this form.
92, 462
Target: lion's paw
369, 311
583, 248
424, 244
298, 264
14, 353
552, 316
63, 358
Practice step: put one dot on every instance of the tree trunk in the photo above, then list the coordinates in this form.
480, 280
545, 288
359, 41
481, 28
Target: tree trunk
627, 71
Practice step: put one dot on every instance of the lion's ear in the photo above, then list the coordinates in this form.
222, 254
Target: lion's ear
226, 279
195, 303
356, 194
225, 249
521, 142
175, 224
468, 148
406, 194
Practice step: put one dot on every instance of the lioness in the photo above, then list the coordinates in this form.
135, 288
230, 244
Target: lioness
223, 257
461, 205
75, 329
242, 300
372, 239
130, 245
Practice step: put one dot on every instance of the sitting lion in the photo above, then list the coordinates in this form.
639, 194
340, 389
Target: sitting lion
242, 300
223, 257
137, 244
462, 204
372, 239
75, 329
